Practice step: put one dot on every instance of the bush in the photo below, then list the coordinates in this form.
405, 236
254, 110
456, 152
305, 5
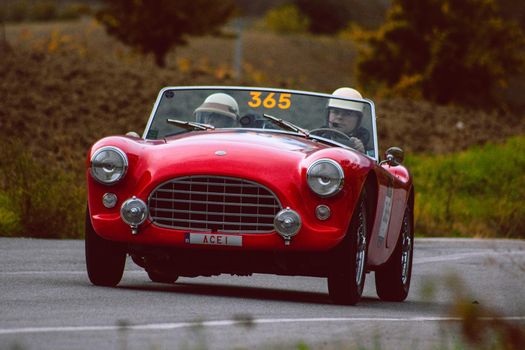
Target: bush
44, 11
18, 11
38, 199
459, 52
286, 19
478, 192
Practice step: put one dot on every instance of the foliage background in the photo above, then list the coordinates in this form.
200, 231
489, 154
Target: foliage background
66, 84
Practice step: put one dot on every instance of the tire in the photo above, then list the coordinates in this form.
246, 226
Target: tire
162, 277
393, 279
346, 282
104, 259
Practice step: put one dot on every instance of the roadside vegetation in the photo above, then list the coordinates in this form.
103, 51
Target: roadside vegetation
43, 10
67, 84
476, 192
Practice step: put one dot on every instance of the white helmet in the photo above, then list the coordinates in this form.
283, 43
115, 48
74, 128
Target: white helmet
220, 103
346, 92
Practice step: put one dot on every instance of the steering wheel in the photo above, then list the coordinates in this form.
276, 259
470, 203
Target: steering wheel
332, 134
341, 137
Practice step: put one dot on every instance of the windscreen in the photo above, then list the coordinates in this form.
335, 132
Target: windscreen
325, 116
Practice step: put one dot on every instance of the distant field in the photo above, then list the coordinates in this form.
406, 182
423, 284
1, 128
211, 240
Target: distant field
65, 85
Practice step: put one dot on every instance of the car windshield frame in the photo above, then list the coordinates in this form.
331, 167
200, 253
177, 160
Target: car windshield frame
372, 153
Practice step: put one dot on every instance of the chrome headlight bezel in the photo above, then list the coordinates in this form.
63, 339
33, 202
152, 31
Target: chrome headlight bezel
313, 178
123, 167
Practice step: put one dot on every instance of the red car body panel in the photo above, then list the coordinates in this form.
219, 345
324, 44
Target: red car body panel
278, 161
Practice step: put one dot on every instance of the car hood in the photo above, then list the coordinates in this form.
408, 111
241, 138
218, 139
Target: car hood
244, 140
247, 154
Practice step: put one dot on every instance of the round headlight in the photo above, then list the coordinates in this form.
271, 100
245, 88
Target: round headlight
109, 165
325, 177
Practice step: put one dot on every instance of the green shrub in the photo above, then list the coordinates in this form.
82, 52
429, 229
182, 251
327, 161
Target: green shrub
286, 19
9, 219
477, 192
38, 199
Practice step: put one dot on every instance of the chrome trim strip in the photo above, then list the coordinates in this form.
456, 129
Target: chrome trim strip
212, 213
216, 193
214, 222
217, 183
218, 231
217, 203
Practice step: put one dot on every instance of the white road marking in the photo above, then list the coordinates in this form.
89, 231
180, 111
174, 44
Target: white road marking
221, 323
462, 256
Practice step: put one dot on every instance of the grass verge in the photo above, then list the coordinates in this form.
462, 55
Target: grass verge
477, 192
37, 197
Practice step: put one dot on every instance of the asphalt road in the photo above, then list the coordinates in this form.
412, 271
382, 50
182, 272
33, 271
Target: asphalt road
47, 302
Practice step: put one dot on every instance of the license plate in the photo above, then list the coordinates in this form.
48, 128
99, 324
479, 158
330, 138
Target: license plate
213, 239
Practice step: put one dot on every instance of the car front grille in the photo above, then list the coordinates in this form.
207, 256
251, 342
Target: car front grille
214, 204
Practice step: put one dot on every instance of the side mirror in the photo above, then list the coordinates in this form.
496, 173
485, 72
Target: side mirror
394, 156
133, 134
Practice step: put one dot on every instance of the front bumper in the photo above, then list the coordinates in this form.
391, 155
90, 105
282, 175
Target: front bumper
310, 238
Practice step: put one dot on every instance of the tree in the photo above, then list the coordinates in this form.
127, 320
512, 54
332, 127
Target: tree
332, 16
326, 16
157, 26
450, 51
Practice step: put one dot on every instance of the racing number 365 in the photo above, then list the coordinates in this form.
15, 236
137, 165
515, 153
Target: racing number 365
283, 102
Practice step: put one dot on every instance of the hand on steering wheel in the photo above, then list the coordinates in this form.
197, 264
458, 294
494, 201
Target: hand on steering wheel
339, 136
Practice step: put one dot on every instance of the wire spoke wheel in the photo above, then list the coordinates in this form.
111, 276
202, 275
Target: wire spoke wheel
360, 260
346, 279
406, 249
393, 278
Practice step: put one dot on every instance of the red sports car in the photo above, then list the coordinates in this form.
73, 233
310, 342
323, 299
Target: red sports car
244, 180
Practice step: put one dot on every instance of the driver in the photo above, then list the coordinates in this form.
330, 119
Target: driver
345, 116
220, 110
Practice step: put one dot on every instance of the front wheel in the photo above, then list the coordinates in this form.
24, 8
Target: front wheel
346, 282
104, 259
393, 279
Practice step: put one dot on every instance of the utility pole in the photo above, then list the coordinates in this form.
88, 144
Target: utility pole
237, 54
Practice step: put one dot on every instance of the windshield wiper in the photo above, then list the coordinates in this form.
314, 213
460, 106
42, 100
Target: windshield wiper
191, 125
287, 125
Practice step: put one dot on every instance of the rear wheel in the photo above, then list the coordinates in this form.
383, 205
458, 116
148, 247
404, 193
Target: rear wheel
393, 279
346, 282
162, 277
104, 259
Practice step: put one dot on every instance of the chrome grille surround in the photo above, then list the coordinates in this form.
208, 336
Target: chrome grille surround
203, 203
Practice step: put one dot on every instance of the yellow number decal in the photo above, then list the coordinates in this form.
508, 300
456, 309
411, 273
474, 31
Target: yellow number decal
284, 101
256, 99
269, 101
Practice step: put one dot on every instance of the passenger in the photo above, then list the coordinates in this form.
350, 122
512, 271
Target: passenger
220, 110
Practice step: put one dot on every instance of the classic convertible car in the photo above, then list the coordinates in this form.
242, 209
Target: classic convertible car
253, 180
